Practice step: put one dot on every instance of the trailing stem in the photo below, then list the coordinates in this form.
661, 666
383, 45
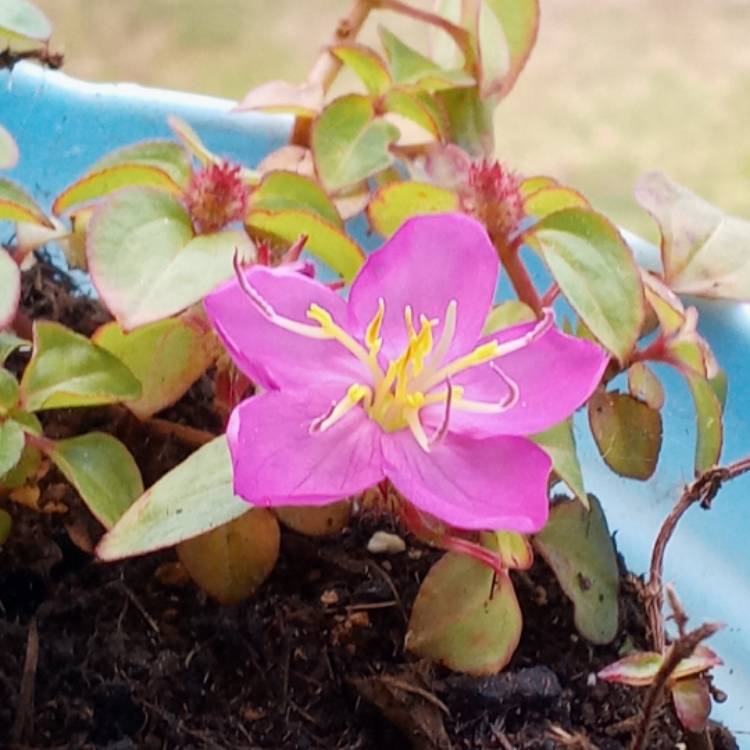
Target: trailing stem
702, 490
519, 276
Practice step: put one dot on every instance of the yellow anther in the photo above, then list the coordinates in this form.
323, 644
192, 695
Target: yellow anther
354, 395
415, 400
372, 335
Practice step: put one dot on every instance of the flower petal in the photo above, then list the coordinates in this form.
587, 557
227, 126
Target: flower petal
428, 262
555, 375
269, 355
492, 483
277, 460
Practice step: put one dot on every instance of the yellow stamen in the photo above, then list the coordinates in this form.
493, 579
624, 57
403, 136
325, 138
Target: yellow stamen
354, 395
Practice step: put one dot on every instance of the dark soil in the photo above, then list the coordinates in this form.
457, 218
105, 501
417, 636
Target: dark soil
131, 656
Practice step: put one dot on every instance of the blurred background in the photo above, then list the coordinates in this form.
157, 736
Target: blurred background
614, 88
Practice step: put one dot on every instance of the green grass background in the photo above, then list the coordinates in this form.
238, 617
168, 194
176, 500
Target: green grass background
614, 88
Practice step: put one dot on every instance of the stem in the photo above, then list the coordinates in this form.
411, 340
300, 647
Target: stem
327, 66
681, 649
702, 490
550, 295
519, 277
460, 36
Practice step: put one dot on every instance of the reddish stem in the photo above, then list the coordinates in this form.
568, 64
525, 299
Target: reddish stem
519, 276
550, 295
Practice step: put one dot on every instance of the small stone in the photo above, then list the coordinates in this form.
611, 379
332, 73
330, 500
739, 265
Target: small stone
385, 543
591, 679
329, 598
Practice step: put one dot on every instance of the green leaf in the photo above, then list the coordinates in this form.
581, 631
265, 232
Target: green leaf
549, 200
596, 272
315, 520
645, 386
701, 660
26, 468
67, 370
167, 156
531, 185
513, 549
145, 262
638, 669
369, 67
577, 545
101, 468
560, 445
167, 357
6, 523
8, 150
8, 391
22, 18
411, 67
507, 33
415, 106
28, 421
325, 241
9, 342
708, 423
10, 290
350, 142
192, 499
282, 191
393, 204
12, 441
507, 314
692, 703
627, 432
96, 185
465, 617
470, 120
17, 205
231, 561
704, 251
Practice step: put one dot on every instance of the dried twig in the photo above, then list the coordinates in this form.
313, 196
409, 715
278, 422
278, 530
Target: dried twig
23, 724
703, 490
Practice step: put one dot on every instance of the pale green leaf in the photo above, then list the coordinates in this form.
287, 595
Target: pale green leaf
9, 342
8, 391
560, 445
12, 441
282, 191
10, 293
167, 357
103, 471
708, 422
67, 370
367, 64
350, 142
145, 262
25, 19
18, 206
596, 272
192, 499
509, 313
8, 150
577, 545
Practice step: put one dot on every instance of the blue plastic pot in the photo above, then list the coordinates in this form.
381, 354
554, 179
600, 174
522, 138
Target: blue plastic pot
63, 125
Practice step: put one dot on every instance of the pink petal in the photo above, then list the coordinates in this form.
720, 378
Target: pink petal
269, 355
428, 262
492, 483
555, 374
278, 460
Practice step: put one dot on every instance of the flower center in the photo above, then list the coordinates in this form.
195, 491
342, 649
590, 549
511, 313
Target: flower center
419, 376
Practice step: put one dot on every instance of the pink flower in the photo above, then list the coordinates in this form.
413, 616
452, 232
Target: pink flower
398, 382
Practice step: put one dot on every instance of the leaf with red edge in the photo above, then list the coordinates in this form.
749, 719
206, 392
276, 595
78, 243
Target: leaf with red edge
548, 200
465, 617
393, 204
279, 96
701, 660
645, 386
10, 289
692, 703
709, 423
638, 669
418, 109
507, 33
704, 251
531, 185
367, 64
17, 205
8, 150
167, 357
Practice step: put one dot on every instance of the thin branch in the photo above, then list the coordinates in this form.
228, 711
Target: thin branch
681, 649
519, 277
702, 490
